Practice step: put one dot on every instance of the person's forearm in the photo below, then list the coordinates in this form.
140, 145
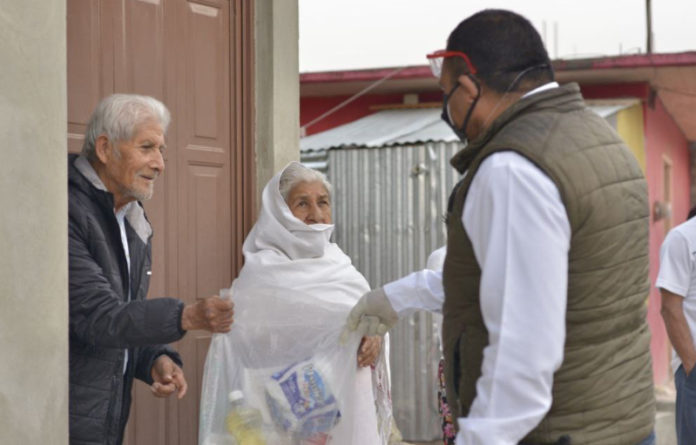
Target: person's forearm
212, 314
147, 357
680, 336
189, 320
125, 325
420, 290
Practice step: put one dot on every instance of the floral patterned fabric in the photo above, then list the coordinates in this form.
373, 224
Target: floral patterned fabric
448, 431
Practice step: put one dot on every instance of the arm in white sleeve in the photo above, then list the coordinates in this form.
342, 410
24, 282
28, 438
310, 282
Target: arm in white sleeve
420, 290
520, 233
675, 264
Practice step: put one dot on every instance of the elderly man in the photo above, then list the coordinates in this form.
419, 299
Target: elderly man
117, 335
546, 274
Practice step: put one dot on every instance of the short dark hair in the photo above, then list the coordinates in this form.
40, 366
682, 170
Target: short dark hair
501, 45
691, 214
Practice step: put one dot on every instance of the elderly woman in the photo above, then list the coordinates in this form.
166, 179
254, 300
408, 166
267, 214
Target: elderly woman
307, 194
293, 272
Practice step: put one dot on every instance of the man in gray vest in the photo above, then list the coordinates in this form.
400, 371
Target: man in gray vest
546, 275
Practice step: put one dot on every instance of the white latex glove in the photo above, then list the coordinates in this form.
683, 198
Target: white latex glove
373, 314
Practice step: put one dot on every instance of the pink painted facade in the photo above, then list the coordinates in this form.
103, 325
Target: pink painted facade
664, 144
313, 107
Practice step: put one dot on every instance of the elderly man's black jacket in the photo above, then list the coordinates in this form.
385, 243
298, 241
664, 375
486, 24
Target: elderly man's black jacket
103, 323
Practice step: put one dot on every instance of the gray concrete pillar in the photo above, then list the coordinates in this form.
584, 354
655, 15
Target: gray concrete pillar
277, 87
33, 223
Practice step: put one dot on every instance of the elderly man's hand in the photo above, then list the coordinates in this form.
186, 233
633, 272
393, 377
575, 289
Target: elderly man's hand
373, 314
168, 378
212, 314
369, 351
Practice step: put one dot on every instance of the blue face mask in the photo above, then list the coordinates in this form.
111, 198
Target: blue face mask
461, 131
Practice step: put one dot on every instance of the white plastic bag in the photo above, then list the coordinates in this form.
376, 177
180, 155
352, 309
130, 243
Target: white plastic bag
283, 352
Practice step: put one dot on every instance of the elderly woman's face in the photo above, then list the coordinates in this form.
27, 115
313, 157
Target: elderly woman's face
309, 202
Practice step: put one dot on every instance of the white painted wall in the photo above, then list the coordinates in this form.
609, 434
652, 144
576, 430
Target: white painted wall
33, 223
277, 87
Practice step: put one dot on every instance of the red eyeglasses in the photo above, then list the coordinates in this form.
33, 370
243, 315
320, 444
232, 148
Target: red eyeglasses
439, 56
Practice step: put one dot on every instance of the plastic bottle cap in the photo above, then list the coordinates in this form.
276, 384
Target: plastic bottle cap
236, 395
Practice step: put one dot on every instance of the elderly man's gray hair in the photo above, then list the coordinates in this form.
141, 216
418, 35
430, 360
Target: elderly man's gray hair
117, 116
296, 173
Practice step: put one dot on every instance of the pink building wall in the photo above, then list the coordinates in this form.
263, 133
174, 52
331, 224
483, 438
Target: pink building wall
313, 107
663, 140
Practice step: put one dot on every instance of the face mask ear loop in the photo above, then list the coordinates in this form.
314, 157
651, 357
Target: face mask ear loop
512, 85
462, 130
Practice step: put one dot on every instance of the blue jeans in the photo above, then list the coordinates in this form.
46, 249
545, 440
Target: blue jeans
686, 406
650, 440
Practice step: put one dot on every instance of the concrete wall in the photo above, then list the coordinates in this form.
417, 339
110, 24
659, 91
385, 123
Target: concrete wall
277, 86
33, 224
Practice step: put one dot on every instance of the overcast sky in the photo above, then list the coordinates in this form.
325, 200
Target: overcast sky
351, 34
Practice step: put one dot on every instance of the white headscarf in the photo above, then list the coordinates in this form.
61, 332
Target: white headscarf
278, 230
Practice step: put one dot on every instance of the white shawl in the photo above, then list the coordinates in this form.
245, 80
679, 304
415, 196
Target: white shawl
296, 282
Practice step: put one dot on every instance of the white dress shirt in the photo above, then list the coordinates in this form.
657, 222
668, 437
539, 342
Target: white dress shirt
520, 234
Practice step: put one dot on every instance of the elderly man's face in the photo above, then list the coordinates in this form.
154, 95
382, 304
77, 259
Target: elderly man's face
130, 170
310, 203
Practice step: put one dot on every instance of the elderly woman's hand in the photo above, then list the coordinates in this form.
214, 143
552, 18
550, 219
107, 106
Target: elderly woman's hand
368, 351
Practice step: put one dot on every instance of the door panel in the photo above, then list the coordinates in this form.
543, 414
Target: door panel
140, 50
204, 184
183, 53
85, 48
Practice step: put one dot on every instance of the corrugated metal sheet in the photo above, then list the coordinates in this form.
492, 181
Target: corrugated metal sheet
316, 159
389, 207
387, 127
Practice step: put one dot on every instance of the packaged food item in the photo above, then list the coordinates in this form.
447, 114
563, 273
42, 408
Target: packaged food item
300, 401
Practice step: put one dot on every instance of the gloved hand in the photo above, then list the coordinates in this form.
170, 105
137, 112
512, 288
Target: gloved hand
373, 314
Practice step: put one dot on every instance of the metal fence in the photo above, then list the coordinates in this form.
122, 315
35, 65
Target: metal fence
388, 206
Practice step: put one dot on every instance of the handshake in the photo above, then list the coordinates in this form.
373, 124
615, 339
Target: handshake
372, 315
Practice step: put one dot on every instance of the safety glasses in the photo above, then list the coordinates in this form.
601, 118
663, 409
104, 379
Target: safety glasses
438, 57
